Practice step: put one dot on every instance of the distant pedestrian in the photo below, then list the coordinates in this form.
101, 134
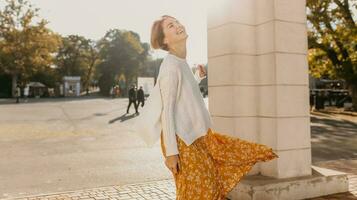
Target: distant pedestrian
117, 91
320, 101
121, 91
132, 99
312, 100
18, 94
26, 92
141, 97
112, 92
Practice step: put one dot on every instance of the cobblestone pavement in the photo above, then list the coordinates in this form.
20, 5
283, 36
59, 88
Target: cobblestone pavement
160, 190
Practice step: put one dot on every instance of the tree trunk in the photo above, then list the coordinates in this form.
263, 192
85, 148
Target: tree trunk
14, 84
86, 84
354, 97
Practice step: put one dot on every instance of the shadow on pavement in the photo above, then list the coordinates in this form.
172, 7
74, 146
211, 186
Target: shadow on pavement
122, 118
333, 139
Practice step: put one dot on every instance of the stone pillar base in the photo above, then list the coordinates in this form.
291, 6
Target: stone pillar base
322, 182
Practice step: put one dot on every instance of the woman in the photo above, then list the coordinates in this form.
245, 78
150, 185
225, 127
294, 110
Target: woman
205, 164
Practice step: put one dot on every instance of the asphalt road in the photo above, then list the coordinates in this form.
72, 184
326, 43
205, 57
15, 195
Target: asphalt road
69, 144
73, 144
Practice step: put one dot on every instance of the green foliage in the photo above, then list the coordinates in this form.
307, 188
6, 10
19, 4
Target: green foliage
5, 85
32, 52
150, 68
48, 77
26, 46
77, 56
332, 40
120, 52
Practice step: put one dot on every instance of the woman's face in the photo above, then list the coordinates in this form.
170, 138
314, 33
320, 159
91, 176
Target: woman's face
174, 31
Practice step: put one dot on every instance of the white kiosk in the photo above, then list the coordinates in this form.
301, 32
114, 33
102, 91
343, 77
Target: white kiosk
72, 85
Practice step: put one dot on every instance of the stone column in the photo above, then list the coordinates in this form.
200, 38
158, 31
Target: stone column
258, 80
233, 72
284, 120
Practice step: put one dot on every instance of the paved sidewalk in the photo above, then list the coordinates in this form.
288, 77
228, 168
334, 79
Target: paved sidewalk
158, 190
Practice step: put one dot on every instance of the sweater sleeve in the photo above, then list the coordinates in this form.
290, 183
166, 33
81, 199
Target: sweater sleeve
169, 83
197, 76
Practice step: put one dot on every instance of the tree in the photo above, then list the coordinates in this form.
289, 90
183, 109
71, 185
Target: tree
120, 52
150, 68
77, 56
332, 40
26, 46
92, 59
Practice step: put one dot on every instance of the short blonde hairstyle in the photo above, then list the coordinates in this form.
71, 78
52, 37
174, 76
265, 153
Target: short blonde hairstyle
157, 34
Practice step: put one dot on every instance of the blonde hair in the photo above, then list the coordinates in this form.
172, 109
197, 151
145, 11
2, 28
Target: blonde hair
157, 34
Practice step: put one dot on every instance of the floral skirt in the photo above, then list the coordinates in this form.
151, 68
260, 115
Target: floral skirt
213, 165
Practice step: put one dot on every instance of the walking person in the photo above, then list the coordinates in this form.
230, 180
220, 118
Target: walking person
320, 101
312, 100
205, 164
117, 91
132, 99
26, 92
111, 91
141, 97
18, 93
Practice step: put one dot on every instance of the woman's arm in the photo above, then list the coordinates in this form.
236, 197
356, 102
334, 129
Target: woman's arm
169, 83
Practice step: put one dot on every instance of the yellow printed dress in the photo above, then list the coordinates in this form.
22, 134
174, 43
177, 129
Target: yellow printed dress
214, 164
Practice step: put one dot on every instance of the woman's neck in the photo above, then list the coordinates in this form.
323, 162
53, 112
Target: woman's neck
179, 51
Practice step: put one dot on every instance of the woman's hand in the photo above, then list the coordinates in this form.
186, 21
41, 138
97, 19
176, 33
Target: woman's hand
172, 162
201, 70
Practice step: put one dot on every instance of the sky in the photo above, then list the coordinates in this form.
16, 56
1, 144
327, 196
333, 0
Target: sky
93, 18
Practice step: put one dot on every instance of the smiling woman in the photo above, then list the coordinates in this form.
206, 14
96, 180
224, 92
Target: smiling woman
160, 40
205, 164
